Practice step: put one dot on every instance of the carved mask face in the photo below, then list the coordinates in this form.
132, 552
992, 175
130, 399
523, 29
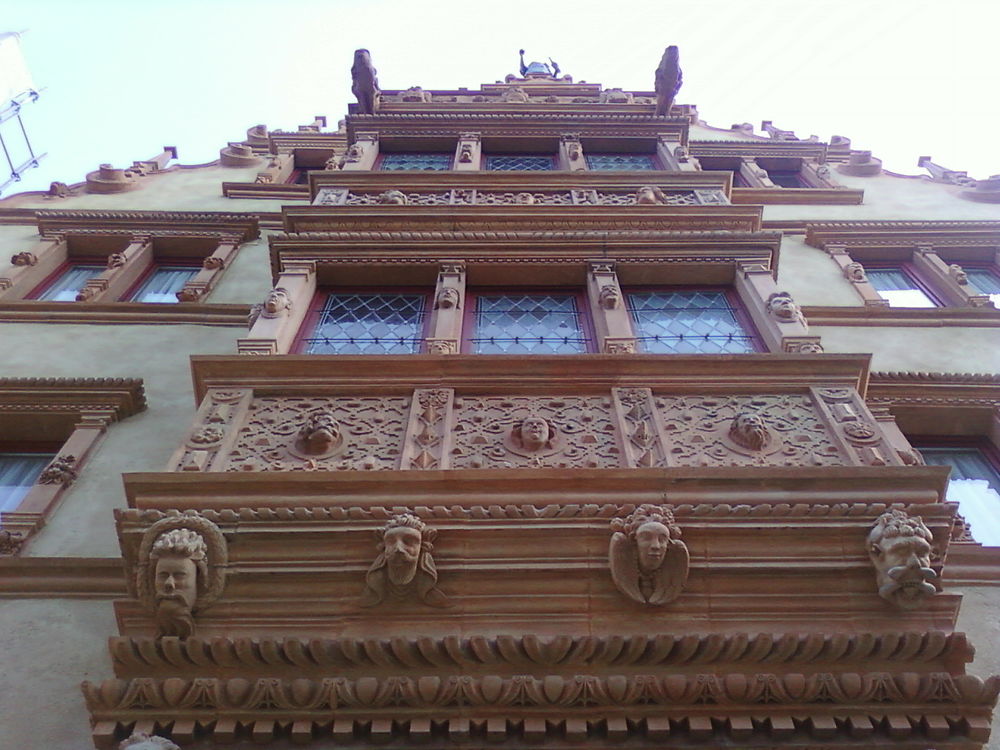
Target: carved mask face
534, 433
651, 541
782, 306
275, 301
324, 434
177, 580
903, 567
402, 553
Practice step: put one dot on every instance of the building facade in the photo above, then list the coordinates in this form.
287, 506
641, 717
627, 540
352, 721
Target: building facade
541, 414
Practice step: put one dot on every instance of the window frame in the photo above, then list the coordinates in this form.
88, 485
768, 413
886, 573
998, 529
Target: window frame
909, 269
552, 157
578, 294
155, 266
656, 163
735, 301
382, 155
318, 300
61, 270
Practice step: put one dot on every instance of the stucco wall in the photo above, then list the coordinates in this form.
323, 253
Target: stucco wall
980, 619
49, 647
912, 349
812, 277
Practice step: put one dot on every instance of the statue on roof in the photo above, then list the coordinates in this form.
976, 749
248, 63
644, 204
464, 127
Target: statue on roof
539, 68
668, 80
364, 84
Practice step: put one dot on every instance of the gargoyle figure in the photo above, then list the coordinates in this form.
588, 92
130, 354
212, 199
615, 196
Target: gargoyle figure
649, 562
899, 546
609, 297
668, 80
364, 83
404, 565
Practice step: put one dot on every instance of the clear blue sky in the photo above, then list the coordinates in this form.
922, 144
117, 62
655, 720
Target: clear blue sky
124, 78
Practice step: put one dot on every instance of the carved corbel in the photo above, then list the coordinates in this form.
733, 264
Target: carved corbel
449, 307
29, 267
197, 288
282, 311
753, 174
611, 320
648, 561
468, 152
181, 571
817, 175
123, 270
900, 548
775, 314
571, 153
361, 154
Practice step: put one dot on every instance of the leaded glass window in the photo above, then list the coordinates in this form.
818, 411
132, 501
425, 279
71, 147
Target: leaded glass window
520, 163
422, 162
985, 281
688, 322
538, 323
70, 282
898, 287
368, 324
974, 484
18, 472
163, 284
625, 162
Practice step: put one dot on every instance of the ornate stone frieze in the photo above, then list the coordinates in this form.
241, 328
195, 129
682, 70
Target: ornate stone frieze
856, 429
719, 431
648, 561
371, 434
651, 195
522, 431
639, 427
428, 433
181, 570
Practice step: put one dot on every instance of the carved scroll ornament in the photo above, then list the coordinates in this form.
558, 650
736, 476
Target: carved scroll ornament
404, 567
899, 546
649, 562
181, 571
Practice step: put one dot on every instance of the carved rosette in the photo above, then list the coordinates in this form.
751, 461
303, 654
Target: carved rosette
639, 427
61, 470
427, 430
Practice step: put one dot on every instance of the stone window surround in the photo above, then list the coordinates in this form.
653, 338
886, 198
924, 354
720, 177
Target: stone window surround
752, 283
130, 256
813, 174
74, 412
942, 277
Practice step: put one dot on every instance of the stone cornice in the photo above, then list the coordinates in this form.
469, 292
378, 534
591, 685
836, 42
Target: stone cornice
37, 311
929, 317
757, 149
243, 226
123, 396
61, 577
797, 196
903, 234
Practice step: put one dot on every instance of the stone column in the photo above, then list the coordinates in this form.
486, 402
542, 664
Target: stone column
612, 324
361, 156
29, 267
273, 330
445, 332
468, 153
571, 156
211, 268
123, 270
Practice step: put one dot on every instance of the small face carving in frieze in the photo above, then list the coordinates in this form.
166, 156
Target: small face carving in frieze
749, 430
783, 307
533, 435
609, 297
899, 546
448, 298
649, 563
179, 562
650, 195
276, 302
404, 566
393, 197
321, 435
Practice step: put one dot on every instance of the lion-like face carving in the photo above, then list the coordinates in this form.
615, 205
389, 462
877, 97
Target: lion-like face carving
320, 435
900, 549
749, 430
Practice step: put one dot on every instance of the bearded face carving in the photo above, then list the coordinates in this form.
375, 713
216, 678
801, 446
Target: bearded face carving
649, 562
179, 563
899, 546
404, 566
749, 430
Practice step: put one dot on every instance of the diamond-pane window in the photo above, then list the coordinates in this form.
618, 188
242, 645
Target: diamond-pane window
368, 324
538, 323
520, 163
422, 162
691, 322
624, 162
899, 288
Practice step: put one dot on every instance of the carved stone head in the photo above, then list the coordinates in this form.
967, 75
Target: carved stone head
783, 307
526, 199
320, 435
649, 563
143, 741
899, 546
448, 298
179, 559
404, 565
650, 195
465, 153
277, 301
855, 272
393, 197
534, 434
609, 297
749, 430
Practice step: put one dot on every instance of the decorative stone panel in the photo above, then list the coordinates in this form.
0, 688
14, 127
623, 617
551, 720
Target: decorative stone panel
582, 432
211, 433
334, 196
371, 429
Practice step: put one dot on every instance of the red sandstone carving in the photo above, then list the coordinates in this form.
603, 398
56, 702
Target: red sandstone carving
900, 549
668, 80
364, 83
404, 566
649, 562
